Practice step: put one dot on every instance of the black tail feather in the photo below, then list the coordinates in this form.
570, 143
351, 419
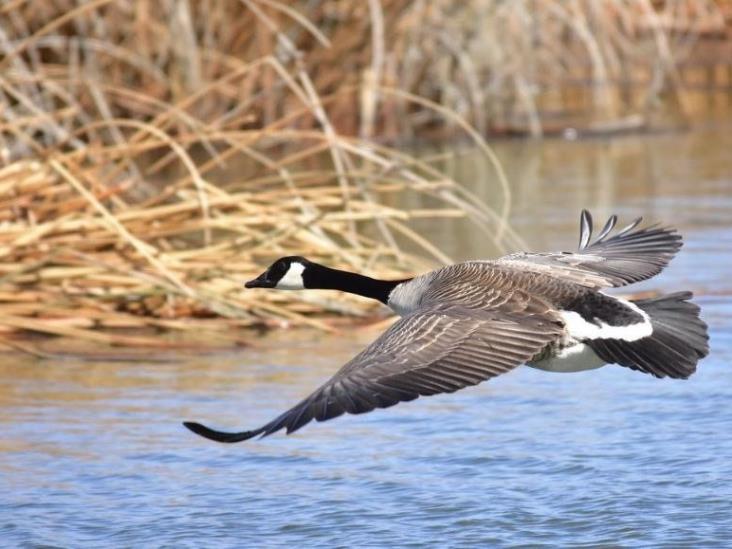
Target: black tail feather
678, 342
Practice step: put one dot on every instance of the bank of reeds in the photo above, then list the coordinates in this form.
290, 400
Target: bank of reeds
153, 163
157, 154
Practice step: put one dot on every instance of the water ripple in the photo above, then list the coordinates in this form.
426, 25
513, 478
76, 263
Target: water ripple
603, 458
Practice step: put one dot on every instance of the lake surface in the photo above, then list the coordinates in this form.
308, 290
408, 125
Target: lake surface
93, 454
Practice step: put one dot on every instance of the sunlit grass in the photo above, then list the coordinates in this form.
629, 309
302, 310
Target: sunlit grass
156, 159
157, 154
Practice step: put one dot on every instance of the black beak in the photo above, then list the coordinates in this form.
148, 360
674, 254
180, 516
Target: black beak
260, 282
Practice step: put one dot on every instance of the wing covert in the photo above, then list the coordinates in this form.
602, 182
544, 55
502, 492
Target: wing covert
437, 350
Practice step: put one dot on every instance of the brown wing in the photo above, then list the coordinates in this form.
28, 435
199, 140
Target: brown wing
626, 257
436, 350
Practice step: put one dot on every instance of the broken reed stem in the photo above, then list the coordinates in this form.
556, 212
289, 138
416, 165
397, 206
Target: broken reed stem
153, 160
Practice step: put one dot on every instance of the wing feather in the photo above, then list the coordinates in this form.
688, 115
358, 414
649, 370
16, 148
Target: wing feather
437, 350
629, 256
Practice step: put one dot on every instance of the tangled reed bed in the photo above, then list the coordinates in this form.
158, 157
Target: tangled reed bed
157, 154
148, 173
80, 255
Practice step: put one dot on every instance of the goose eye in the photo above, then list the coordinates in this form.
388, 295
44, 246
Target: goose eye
278, 270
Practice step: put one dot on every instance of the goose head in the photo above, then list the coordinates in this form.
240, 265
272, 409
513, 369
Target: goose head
287, 273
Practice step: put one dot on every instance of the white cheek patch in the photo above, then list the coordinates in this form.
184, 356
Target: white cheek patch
293, 278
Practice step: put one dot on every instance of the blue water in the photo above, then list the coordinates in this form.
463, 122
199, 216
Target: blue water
93, 454
602, 457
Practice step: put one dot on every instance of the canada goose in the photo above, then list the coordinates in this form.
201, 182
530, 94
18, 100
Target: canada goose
466, 323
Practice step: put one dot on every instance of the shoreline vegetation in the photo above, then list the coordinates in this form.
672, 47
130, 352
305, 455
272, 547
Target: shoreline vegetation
155, 155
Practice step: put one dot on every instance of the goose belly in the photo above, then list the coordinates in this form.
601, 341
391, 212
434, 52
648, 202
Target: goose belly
574, 358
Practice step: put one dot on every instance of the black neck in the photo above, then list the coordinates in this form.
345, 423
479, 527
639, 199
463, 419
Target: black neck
324, 278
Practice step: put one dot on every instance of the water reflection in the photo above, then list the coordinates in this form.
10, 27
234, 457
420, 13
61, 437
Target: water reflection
680, 178
93, 454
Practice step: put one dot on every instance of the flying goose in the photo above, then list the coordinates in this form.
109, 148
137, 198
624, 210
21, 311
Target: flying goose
466, 323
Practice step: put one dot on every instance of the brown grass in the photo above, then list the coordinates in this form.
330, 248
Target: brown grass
157, 154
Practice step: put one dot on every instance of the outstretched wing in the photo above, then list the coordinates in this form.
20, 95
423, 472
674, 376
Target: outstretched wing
437, 350
631, 255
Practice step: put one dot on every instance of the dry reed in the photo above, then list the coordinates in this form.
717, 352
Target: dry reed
536, 66
157, 154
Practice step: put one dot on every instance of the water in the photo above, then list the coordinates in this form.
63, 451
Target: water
93, 454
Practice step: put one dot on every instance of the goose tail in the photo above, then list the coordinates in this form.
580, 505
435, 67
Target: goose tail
678, 341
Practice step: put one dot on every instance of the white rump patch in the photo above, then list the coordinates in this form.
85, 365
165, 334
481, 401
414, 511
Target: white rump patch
579, 329
293, 278
576, 358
